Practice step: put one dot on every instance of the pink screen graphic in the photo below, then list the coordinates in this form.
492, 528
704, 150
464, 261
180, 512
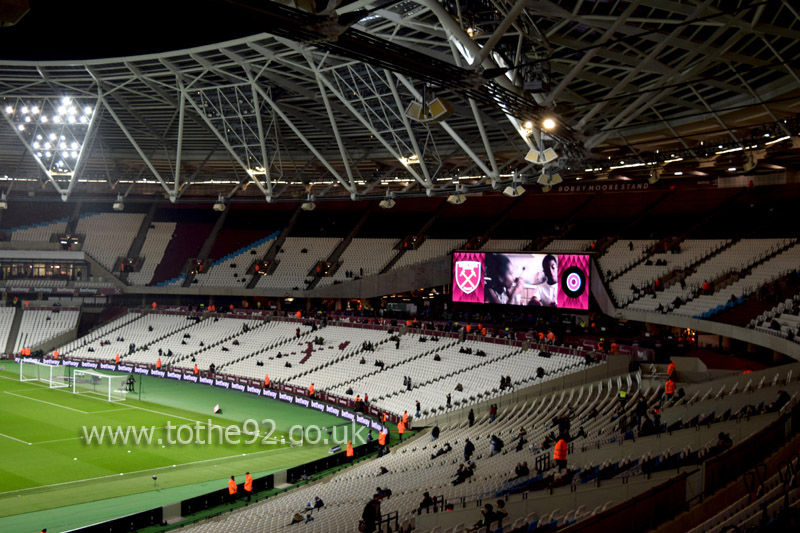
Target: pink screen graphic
468, 277
574, 281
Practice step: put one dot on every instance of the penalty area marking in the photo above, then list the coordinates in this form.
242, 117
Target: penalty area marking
14, 438
48, 403
156, 469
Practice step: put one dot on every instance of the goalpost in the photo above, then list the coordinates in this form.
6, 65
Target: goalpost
56, 376
110, 388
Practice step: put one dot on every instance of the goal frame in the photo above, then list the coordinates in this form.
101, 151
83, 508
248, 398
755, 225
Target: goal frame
45, 374
110, 388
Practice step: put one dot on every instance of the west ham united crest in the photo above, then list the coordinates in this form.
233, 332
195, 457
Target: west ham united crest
468, 275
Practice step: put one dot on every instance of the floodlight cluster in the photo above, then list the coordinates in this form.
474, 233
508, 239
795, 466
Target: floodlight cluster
54, 128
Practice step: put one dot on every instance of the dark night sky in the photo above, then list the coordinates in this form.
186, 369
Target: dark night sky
92, 29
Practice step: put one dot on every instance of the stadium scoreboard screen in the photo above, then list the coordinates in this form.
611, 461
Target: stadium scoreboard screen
558, 281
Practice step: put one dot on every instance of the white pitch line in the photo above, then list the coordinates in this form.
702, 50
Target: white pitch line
56, 440
156, 469
152, 411
111, 410
48, 403
13, 438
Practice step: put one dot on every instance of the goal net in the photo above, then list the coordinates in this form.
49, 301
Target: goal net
55, 376
109, 388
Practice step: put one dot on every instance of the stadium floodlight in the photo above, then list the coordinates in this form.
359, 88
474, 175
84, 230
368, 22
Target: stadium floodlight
458, 197
514, 190
56, 376
541, 157
220, 205
309, 204
388, 201
107, 387
548, 179
119, 205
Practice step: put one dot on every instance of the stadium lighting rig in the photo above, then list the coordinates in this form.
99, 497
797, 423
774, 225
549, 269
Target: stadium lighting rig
388, 201
515, 189
309, 204
220, 204
53, 129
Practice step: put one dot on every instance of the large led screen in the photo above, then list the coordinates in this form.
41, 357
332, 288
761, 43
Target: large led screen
524, 279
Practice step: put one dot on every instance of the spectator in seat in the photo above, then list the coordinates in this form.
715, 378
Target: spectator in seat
495, 445
488, 517
371, 515
469, 448
782, 399
500, 513
318, 503
441, 451
724, 441
426, 502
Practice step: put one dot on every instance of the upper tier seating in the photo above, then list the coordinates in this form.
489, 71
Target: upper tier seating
108, 236
231, 270
39, 232
369, 255
429, 249
775, 267
643, 275
737, 257
781, 320
621, 255
504, 245
295, 265
569, 246
155, 243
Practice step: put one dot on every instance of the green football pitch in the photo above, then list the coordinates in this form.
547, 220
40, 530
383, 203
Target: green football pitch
47, 463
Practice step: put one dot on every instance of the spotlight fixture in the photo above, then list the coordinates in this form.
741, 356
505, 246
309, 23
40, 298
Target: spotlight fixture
514, 191
388, 201
548, 123
548, 179
436, 110
309, 204
220, 205
457, 199
655, 175
541, 158
119, 205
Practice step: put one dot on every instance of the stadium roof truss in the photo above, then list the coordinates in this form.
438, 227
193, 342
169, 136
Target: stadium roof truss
313, 108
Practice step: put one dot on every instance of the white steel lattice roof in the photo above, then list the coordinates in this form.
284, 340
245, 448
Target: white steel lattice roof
296, 103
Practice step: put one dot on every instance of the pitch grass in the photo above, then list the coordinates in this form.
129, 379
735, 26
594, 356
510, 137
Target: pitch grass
46, 463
